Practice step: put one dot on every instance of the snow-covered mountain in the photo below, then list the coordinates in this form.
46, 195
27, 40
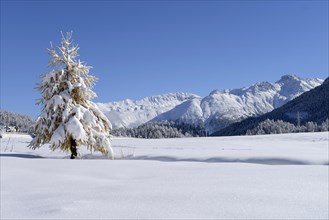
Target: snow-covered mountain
311, 106
215, 111
130, 113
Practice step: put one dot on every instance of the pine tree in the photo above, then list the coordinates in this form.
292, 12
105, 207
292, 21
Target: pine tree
68, 118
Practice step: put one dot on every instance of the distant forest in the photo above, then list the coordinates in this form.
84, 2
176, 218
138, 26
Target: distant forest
175, 130
21, 122
280, 127
161, 130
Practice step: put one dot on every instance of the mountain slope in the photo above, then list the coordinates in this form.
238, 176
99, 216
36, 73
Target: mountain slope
129, 113
310, 106
188, 112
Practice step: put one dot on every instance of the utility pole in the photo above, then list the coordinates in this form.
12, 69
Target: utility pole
298, 121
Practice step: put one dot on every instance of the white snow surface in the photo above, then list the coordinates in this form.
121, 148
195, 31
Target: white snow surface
215, 111
247, 177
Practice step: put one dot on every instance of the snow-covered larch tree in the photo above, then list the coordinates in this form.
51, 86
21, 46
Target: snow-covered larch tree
68, 118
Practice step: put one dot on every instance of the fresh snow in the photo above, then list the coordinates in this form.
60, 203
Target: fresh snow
75, 128
247, 177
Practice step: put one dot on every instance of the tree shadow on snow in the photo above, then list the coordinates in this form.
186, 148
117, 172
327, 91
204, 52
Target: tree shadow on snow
263, 161
27, 156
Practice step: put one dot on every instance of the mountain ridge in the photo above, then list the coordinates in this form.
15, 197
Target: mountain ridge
215, 111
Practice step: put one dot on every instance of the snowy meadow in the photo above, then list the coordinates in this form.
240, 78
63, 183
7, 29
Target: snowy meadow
246, 177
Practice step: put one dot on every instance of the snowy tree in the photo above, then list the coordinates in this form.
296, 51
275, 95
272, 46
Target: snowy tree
324, 126
68, 118
311, 126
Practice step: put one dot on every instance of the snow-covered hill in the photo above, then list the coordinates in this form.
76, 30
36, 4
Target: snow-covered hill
215, 111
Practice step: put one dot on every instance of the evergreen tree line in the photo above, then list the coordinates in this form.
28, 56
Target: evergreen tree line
280, 127
22, 123
161, 130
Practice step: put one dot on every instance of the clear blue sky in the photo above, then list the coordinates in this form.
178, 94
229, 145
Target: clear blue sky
143, 48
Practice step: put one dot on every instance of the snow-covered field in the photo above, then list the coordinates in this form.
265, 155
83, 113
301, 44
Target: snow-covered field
255, 177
